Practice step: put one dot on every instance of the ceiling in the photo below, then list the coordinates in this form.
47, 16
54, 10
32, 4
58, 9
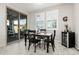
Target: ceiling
30, 7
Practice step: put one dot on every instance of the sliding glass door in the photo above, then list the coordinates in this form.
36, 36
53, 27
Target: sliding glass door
16, 24
22, 25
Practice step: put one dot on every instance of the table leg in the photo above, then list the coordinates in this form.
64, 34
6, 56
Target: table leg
47, 44
25, 40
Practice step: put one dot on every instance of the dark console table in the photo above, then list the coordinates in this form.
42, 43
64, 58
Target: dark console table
68, 39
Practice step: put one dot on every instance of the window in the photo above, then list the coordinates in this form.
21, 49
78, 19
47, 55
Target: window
47, 20
40, 20
51, 19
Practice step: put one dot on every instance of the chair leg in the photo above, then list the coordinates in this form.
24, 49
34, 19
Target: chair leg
53, 46
44, 45
25, 41
35, 47
29, 45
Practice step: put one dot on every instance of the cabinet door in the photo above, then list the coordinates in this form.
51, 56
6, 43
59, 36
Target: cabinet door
71, 39
64, 39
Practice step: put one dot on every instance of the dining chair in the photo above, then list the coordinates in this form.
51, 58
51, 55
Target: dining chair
43, 30
33, 40
52, 38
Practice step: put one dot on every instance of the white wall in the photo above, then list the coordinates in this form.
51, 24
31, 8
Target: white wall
31, 21
2, 25
76, 23
64, 10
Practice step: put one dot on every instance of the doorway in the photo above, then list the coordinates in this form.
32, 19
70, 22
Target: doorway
16, 25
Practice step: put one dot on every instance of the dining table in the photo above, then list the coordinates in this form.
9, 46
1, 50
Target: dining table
46, 35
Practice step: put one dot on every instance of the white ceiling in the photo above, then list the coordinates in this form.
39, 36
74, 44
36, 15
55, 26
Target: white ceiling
30, 7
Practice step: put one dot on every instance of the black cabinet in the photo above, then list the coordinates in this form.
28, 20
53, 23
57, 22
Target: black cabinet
68, 39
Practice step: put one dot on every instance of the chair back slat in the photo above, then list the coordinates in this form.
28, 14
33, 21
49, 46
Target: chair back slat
54, 34
31, 34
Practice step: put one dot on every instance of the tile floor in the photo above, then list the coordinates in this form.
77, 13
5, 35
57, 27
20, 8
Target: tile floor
18, 48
